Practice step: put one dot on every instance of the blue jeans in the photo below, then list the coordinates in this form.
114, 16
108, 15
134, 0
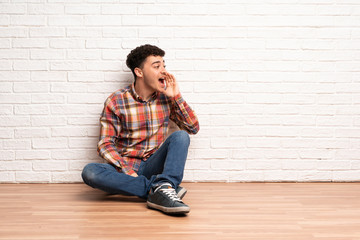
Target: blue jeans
165, 165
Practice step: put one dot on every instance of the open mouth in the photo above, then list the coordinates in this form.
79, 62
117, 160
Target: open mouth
163, 82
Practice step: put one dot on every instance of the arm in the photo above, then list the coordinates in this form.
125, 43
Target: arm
184, 116
110, 129
181, 113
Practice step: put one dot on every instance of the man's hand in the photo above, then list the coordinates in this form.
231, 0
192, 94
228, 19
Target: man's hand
134, 175
172, 88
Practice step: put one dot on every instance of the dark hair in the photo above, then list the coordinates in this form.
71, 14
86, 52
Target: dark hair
138, 55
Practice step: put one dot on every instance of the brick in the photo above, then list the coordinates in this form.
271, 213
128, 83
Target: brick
12, 8
7, 177
6, 110
121, 9
48, 76
31, 87
85, 76
7, 155
47, 54
311, 176
84, 32
227, 165
45, 9
316, 132
211, 176
352, 154
83, 143
263, 142
333, 165
67, 43
66, 177
83, 54
280, 154
48, 98
280, 175
27, 20
75, 132
31, 132
11, 98
76, 109
315, 154
85, 98
103, 66
228, 143
45, 121
15, 165
32, 154
103, 43
330, 143
65, 20
49, 166
82, 9
90, 120
6, 133
67, 65
211, 154
131, 20
156, 32
197, 164
4, 20
246, 176
67, 88
347, 133
5, 65
17, 144
109, 20
14, 54
71, 154
32, 177
334, 121
342, 176
49, 143
13, 32
35, 65
32, 110
158, 9
113, 32
6, 88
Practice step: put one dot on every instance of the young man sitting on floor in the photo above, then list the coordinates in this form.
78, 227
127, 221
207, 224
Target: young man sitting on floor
141, 161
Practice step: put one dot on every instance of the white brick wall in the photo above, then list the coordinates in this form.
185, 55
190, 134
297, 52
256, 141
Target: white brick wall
275, 83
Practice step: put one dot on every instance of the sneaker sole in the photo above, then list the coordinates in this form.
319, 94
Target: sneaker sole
170, 210
181, 193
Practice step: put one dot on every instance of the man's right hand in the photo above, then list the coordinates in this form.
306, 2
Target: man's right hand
134, 175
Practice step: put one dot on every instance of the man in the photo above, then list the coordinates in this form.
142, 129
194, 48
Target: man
141, 161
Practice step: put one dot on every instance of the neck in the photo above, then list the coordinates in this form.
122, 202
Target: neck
142, 90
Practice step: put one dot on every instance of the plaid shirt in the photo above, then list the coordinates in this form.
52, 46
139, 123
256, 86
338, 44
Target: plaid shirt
133, 129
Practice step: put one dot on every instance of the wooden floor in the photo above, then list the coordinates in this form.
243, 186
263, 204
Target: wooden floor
266, 211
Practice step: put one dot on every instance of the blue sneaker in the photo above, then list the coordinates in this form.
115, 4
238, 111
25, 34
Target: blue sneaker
165, 199
180, 192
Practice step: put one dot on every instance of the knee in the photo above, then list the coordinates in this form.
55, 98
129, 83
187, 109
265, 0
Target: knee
88, 174
181, 137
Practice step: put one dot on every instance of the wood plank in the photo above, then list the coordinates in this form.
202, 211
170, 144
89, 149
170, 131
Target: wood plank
218, 211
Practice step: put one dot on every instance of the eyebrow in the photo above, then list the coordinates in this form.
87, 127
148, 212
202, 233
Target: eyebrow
158, 62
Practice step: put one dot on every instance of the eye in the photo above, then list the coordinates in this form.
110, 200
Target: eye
157, 66
164, 66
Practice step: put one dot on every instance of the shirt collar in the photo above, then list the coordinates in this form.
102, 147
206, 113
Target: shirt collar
138, 98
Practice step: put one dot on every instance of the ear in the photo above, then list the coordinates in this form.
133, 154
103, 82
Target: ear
138, 72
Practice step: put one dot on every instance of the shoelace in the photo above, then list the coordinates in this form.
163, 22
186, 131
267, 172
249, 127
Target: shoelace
171, 193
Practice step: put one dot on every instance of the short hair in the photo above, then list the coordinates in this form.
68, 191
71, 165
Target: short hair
137, 56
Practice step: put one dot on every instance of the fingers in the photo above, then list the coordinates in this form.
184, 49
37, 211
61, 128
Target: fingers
169, 78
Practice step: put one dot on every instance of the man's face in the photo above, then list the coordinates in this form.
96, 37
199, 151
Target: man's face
153, 72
